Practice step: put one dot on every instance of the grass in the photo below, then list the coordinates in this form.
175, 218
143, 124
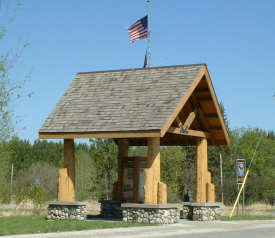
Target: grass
247, 217
257, 211
21, 212
23, 221
16, 225
254, 209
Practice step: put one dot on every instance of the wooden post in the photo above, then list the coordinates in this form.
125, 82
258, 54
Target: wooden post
148, 180
152, 174
210, 188
123, 147
69, 163
202, 169
210, 192
162, 193
63, 184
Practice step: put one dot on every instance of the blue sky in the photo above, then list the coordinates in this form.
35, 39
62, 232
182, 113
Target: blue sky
234, 38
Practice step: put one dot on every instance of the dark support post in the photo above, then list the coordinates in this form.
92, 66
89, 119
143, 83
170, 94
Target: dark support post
123, 147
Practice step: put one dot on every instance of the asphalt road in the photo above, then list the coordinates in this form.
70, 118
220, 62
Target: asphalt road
186, 229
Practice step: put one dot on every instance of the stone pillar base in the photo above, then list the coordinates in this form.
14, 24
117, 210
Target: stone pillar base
151, 213
67, 210
201, 211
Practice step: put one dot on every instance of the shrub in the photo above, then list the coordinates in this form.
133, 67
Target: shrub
38, 195
5, 195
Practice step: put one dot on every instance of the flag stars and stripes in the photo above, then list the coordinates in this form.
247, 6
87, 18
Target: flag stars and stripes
139, 30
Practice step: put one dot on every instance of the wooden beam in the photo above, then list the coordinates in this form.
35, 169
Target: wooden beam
129, 134
178, 121
203, 121
208, 99
221, 142
192, 104
212, 138
210, 116
180, 124
190, 118
203, 90
194, 133
215, 128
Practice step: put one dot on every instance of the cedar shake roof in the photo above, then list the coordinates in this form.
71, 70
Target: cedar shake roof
137, 104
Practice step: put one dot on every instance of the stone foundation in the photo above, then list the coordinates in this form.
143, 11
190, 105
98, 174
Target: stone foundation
110, 208
66, 210
201, 211
148, 213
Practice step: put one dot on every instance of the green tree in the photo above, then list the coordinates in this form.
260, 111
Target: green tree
189, 170
104, 154
4, 162
224, 114
259, 186
20, 195
5, 195
21, 154
85, 173
48, 152
172, 159
261, 177
140, 151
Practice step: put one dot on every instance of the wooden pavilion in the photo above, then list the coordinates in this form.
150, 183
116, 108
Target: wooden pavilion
160, 106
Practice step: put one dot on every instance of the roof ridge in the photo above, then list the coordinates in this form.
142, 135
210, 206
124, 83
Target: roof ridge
158, 67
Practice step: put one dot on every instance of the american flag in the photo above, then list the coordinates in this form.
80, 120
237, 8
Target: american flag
138, 30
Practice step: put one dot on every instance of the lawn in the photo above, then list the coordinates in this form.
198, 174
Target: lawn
247, 217
38, 224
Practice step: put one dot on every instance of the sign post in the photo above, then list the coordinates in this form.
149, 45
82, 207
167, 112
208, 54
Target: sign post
221, 177
240, 177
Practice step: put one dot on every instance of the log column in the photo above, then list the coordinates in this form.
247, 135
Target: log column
123, 147
205, 189
152, 174
68, 185
202, 169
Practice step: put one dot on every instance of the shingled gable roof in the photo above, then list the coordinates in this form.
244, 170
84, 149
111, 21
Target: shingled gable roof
140, 103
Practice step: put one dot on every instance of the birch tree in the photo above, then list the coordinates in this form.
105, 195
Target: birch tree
11, 86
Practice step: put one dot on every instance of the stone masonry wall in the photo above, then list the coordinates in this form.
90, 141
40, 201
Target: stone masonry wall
151, 215
67, 212
202, 213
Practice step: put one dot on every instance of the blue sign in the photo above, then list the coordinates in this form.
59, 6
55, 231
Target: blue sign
37, 181
240, 170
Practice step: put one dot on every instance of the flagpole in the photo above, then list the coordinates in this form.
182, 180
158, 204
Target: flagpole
148, 29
